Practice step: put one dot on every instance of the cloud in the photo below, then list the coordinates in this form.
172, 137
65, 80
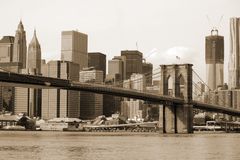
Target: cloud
178, 55
174, 55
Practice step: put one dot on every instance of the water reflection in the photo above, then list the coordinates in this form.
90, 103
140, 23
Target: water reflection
63, 145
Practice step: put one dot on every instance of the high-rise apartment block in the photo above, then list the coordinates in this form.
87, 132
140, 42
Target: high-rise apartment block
98, 61
133, 62
214, 57
74, 48
234, 59
57, 102
91, 104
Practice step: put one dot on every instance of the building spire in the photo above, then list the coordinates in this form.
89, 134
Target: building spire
34, 40
20, 26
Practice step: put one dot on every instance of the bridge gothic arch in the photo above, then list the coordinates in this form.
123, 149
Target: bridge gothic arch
176, 81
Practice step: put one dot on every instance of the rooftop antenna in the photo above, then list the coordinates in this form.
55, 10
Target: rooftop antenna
214, 28
21, 14
219, 22
209, 22
137, 45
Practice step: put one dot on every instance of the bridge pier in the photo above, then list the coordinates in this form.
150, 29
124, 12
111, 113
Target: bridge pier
176, 81
176, 119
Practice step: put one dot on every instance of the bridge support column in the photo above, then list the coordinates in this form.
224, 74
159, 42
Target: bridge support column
161, 122
176, 119
167, 118
184, 115
170, 117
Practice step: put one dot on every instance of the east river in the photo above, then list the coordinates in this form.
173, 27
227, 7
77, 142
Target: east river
17, 145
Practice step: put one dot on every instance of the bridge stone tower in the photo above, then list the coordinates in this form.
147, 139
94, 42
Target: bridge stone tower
176, 81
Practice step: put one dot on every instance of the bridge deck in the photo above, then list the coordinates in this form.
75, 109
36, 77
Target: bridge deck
32, 81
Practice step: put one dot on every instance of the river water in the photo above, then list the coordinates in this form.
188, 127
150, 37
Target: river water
17, 145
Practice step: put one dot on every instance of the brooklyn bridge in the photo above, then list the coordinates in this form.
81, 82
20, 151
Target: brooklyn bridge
176, 107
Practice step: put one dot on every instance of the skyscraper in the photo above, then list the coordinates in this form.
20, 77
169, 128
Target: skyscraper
234, 59
147, 69
28, 100
6, 49
133, 62
214, 57
13, 59
34, 55
98, 61
74, 48
91, 104
117, 66
20, 47
57, 102
6, 52
133, 108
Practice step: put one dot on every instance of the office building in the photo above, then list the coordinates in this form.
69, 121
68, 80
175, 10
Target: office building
98, 61
12, 59
91, 104
132, 108
234, 59
74, 48
133, 62
112, 104
147, 70
6, 49
34, 55
117, 66
236, 99
20, 47
57, 102
214, 57
28, 100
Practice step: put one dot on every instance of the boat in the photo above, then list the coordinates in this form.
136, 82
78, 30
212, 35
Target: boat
210, 126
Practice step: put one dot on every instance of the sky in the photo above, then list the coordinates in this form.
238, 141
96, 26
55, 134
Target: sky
160, 29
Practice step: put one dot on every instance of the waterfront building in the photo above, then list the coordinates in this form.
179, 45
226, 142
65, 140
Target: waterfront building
91, 104
74, 48
133, 62
234, 59
112, 104
28, 100
130, 107
214, 58
57, 103
147, 70
98, 61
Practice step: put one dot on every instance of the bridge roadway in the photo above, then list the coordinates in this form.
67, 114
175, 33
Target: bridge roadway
33, 81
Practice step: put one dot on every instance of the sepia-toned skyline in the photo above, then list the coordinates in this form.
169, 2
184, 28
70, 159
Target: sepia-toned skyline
161, 30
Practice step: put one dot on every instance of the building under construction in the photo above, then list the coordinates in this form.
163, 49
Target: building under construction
214, 57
